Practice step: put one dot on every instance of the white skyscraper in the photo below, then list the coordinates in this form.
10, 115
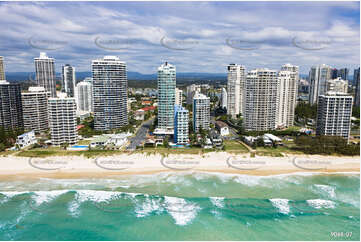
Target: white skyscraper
178, 96
62, 121
261, 100
45, 73
35, 109
109, 93
166, 97
334, 114
201, 112
84, 96
235, 89
181, 117
318, 77
224, 98
287, 94
69, 80
337, 85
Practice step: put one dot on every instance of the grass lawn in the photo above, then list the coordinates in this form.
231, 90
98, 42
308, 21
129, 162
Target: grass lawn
84, 142
277, 152
55, 151
233, 146
167, 151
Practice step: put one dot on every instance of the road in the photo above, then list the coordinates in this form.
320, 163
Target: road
140, 136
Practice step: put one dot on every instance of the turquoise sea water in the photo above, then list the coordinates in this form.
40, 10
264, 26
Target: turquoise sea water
182, 206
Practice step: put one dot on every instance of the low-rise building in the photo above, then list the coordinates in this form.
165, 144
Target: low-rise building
26, 139
273, 138
99, 141
216, 139
139, 114
115, 140
208, 144
222, 128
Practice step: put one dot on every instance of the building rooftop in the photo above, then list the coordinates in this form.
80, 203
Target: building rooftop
221, 124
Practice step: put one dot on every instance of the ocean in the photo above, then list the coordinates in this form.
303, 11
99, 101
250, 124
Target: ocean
183, 206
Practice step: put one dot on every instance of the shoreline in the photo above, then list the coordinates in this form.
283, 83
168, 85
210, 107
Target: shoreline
68, 167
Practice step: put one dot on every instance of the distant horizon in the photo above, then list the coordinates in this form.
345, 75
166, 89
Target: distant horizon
145, 34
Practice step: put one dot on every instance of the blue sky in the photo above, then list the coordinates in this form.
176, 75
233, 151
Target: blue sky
195, 36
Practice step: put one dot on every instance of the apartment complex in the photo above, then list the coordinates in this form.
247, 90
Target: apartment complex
45, 73
178, 96
84, 96
334, 114
181, 118
261, 100
337, 85
2, 69
287, 94
62, 121
109, 93
166, 97
235, 89
319, 75
69, 81
201, 112
35, 109
11, 111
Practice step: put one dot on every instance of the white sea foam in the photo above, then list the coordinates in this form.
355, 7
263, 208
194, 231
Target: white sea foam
11, 194
183, 212
82, 196
217, 201
329, 190
320, 203
281, 204
41, 197
147, 207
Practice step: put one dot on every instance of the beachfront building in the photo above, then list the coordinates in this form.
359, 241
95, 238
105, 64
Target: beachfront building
334, 114
35, 109
62, 121
11, 111
109, 93
69, 81
224, 98
45, 73
166, 97
318, 76
181, 118
286, 95
178, 96
110, 140
261, 100
26, 139
235, 89
201, 112
2, 69
337, 85
84, 96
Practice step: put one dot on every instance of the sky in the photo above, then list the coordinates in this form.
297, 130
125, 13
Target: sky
195, 36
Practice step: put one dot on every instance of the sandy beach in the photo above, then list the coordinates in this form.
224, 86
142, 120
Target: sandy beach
78, 166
